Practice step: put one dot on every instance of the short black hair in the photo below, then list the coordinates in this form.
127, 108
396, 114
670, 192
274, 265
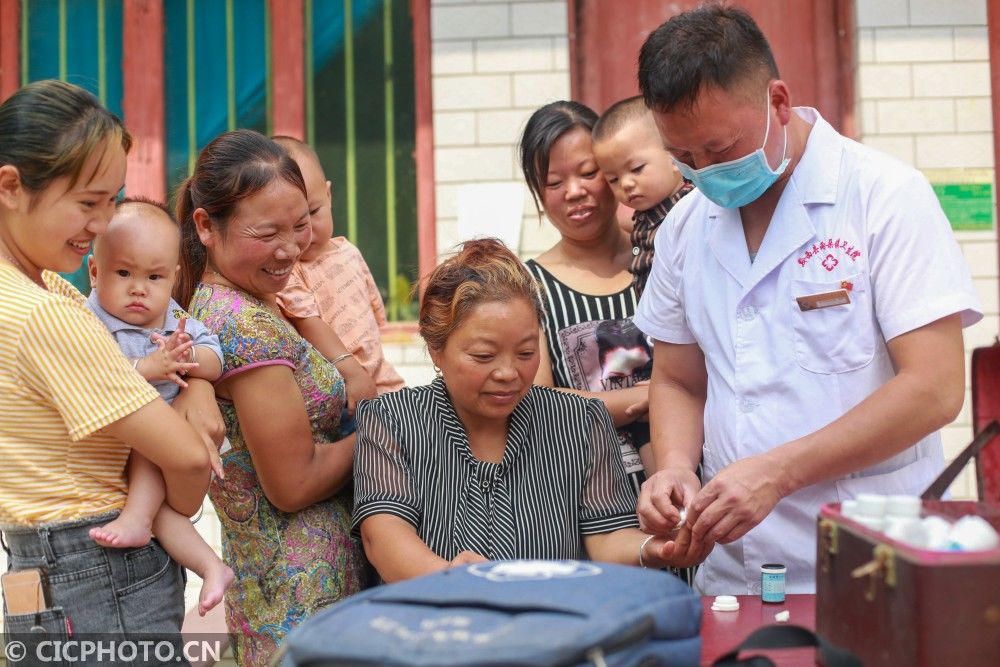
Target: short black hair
618, 116
541, 132
713, 45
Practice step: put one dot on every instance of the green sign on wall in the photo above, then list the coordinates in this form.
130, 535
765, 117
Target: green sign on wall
969, 206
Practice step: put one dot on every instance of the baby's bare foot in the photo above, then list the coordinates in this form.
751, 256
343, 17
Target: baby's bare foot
217, 578
123, 532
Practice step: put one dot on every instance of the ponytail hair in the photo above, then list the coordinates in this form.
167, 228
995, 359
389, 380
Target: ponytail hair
194, 256
232, 167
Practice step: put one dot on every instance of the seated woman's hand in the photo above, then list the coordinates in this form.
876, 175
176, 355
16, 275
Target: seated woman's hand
467, 558
682, 550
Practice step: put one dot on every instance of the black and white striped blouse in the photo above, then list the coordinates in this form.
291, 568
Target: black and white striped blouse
561, 476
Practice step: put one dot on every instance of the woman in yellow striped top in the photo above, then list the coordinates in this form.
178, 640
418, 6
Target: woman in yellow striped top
72, 404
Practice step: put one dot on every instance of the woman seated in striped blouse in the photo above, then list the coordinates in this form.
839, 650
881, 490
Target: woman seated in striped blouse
480, 464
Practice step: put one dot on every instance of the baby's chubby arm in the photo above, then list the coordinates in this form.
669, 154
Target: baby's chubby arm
169, 361
205, 351
184, 354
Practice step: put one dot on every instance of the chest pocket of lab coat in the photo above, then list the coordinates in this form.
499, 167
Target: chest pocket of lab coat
835, 339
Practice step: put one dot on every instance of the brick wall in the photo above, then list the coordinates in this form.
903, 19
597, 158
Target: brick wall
924, 81
492, 64
924, 96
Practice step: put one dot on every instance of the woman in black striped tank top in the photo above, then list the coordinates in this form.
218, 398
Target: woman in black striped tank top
589, 344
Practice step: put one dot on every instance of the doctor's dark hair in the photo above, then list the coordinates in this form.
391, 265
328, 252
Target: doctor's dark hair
541, 132
49, 129
711, 46
482, 271
232, 167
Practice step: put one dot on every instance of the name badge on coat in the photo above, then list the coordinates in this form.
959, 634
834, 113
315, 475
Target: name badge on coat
838, 297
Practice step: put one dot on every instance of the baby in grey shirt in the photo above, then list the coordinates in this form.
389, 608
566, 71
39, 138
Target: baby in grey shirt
132, 272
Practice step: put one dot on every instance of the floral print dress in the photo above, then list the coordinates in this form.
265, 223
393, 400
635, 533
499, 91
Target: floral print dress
288, 565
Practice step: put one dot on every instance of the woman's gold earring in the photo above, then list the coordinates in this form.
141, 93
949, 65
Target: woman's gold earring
437, 371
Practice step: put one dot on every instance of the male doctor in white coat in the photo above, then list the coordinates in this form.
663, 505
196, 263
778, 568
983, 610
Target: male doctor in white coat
806, 302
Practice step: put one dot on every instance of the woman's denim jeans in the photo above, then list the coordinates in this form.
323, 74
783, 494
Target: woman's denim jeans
100, 593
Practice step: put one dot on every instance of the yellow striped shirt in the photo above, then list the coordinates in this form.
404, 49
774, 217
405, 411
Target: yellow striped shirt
62, 379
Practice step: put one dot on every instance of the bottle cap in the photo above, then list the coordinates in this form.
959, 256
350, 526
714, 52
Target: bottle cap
936, 529
773, 568
973, 533
725, 603
903, 529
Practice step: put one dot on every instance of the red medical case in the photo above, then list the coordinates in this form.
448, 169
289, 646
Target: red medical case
895, 605
985, 409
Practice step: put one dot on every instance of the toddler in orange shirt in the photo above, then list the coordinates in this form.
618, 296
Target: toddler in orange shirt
331, 297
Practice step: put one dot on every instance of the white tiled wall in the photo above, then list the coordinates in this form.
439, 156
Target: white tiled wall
408, 354
492, 64
924, 96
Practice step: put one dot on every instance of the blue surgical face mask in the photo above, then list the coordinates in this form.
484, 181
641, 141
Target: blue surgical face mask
738, 182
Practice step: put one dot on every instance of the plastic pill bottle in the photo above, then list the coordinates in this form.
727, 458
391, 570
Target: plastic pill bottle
772, 582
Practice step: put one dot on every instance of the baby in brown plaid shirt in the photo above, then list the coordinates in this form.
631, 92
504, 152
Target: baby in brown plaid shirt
630, 153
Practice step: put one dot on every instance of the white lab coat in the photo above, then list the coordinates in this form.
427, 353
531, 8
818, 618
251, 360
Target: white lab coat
775, 373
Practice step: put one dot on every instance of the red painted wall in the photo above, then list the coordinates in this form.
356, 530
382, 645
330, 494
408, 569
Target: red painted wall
993, 26
143, 104
288, 68
10, 47
812, 40
424, 151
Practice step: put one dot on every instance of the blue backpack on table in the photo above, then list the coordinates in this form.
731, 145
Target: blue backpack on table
517, 612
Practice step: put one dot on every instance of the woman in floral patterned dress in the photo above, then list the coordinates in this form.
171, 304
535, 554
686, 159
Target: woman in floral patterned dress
284, 503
